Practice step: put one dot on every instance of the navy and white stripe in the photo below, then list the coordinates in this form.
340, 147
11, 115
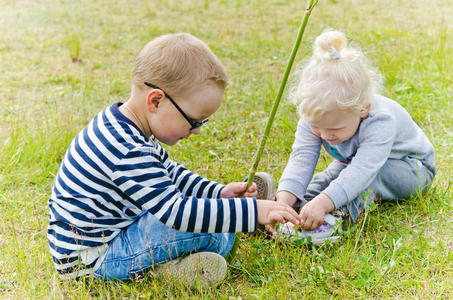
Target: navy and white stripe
110, 174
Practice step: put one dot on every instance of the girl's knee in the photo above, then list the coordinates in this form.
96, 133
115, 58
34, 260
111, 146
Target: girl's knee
401, 179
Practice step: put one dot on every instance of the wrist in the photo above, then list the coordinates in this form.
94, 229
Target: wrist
220, 195
286, 198
325, 202
262, 210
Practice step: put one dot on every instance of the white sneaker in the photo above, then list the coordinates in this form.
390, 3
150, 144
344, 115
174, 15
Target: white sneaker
326, 232
205, 268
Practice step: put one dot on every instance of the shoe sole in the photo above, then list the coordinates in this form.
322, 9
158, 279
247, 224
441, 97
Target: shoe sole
330, 239
264, 185
293, 234
314, 242
205, 268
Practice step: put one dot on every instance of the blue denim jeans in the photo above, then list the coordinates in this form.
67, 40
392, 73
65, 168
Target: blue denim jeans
149, 242
397, 179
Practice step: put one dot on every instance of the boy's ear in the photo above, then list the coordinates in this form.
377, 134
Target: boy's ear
153, 99
365, 110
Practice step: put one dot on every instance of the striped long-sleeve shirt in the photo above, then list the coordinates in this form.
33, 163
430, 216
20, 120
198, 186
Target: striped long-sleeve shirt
112, 173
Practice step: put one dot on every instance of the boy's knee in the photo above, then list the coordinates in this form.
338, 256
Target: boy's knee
223, 243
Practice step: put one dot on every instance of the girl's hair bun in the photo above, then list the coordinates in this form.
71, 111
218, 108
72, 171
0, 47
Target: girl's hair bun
329, 44
337, 76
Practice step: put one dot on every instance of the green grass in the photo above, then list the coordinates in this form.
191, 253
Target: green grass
63, 61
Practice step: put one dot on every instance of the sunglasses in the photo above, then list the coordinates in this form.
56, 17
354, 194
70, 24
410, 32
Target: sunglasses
194, 124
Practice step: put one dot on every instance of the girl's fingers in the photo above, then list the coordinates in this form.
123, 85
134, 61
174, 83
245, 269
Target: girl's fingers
308, 224
319, 223
303, 219
316, 223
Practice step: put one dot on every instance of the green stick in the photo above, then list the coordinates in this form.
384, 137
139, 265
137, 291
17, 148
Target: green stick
310, 7
251, 176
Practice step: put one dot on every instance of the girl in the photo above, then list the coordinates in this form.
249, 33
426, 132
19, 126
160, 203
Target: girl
376, 146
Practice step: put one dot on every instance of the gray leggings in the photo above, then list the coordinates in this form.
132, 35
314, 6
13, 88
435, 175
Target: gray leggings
397, 179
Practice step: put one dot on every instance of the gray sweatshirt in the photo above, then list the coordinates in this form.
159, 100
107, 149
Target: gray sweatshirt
387, 132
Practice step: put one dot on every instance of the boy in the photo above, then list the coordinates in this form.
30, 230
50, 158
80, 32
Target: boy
120, 206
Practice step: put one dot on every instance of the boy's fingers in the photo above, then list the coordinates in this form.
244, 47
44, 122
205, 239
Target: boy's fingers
291, 218
252, 188
291, 215
280, 218
270, 228
241, 187
251, 194
284, 215
293, 212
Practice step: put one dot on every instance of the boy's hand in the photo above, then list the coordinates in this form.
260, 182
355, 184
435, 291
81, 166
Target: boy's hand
286, 198
312, 214
271, 212
237, 189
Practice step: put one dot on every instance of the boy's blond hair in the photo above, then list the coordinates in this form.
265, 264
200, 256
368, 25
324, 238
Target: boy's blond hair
176, 62
336, 77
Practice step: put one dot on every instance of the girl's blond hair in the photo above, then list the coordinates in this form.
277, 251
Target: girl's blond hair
335, 77
176, 62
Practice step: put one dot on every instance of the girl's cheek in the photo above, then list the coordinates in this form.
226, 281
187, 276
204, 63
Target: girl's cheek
315, 131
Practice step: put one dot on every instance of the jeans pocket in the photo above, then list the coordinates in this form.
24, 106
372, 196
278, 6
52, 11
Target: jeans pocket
115, 269
118, 260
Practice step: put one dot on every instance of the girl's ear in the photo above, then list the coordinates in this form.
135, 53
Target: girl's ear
365, 110
153, 99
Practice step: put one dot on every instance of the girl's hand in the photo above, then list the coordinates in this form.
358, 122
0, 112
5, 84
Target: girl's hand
237, 189
312, 214
271, 212
286, 198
